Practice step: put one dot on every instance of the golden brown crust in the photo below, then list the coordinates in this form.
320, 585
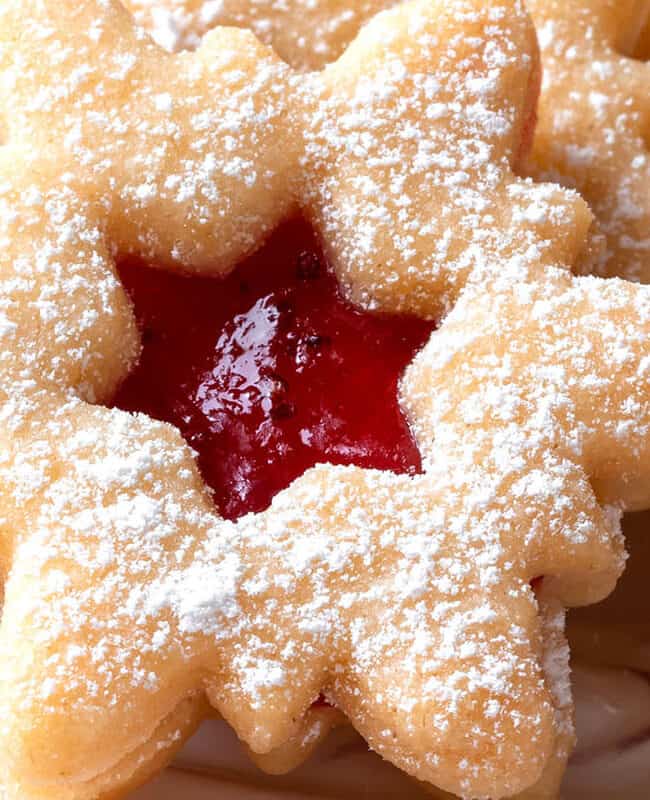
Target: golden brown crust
594, 122
407, 600
306, 35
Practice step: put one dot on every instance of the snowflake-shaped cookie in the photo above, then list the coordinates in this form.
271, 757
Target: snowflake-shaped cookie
129, 605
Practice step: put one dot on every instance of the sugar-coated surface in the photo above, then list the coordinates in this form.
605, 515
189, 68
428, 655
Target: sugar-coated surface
594, 119
269, 371
307, 35
128, 602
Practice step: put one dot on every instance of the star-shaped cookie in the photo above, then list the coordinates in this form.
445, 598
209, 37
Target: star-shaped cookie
129, 605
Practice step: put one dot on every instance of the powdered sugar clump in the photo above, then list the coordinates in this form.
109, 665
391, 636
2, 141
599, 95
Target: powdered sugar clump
406, 599
593, 122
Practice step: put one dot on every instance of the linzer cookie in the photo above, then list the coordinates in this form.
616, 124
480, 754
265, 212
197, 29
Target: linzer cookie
593, 128
426, 606
594, 119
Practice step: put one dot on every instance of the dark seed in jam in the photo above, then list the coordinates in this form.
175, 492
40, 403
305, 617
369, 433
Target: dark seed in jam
269, 371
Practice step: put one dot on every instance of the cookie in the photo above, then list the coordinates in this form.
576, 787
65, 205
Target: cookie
307, 36
413, 603
594, 120
592, 134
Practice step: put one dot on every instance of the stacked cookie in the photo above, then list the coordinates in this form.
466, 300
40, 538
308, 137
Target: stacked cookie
426, 609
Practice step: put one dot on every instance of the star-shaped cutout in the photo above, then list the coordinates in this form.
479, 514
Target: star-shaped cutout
406, 600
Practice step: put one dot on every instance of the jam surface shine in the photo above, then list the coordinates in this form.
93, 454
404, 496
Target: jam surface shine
270, 371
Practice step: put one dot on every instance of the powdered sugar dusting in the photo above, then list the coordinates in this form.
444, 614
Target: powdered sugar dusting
307, 35
594, 123
406, 599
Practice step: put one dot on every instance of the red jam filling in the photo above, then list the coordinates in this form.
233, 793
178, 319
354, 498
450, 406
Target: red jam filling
270, 371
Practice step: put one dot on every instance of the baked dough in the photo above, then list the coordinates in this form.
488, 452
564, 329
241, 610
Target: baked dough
594, 119
306, 35
406, 600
